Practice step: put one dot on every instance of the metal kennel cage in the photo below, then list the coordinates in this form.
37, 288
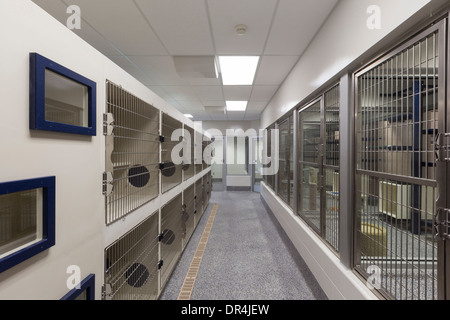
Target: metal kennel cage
172, 230
171, 173
131, 127
188, 157
131, 263
198, 155
398, 99
269, 179
188, 215
198, 200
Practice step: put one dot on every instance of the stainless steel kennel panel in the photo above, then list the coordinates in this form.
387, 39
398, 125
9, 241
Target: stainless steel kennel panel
131, 127
188, 216
198, 151
171, 236
131, 263
397, 104
171, 173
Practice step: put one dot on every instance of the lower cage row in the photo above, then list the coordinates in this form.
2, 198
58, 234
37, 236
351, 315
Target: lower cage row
139, 264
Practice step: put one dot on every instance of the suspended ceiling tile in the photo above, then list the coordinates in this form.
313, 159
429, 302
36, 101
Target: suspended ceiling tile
182, 26
236, 115
59, 11
237, 93
225, 15
160, 68
274, 69
295, 24
214, 103
219, 117
263, 93
209, 93
252, 116
121, 22
133, 70
191, 105
256, 106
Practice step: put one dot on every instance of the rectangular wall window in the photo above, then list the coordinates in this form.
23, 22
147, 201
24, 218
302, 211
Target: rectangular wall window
27, 219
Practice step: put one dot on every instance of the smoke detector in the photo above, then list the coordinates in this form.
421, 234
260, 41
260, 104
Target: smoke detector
240, 29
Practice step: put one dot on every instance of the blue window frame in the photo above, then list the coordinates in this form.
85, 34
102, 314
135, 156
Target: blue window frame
60, 99
84, 291
27, 219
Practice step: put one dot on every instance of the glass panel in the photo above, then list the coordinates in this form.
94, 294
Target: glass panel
20, 220
66, 101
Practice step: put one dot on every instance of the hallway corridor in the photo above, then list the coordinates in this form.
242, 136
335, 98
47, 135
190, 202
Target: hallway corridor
247, 256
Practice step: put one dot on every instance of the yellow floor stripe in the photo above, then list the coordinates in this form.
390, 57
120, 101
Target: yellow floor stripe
189, 281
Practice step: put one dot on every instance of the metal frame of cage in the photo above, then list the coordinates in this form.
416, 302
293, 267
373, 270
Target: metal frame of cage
171, 236
171, 173
188, 159
398, 99
188, 215
131, 129
131, 263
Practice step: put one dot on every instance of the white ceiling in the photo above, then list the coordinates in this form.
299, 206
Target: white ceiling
143, 36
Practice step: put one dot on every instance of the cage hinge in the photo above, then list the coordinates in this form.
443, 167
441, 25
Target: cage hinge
161, 139
442, 147
108, 124
160, 264
161, 236
107, 291
107, 183
442, 223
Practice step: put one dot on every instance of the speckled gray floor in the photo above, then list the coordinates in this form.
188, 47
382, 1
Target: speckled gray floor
248, 256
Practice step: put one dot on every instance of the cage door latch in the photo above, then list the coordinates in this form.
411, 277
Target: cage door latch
442, 147
107, 292
442, 223
108, 124
107, 183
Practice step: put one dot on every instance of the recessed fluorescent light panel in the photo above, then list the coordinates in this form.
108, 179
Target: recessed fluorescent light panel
236, 105
188, 115
238, 70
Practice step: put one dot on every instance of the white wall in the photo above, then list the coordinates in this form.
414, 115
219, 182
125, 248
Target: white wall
342, 39
77, 161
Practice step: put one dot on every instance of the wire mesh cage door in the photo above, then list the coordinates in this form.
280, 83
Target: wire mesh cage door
131, 264
172, 227
198, 151
171, 173
331, 165
188, 155
188, 215
269, 179
198, 200
310, 169
399, 100
131, 128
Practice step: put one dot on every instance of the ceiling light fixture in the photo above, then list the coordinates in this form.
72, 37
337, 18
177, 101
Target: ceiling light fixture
236, 105
238, 70
188, 115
